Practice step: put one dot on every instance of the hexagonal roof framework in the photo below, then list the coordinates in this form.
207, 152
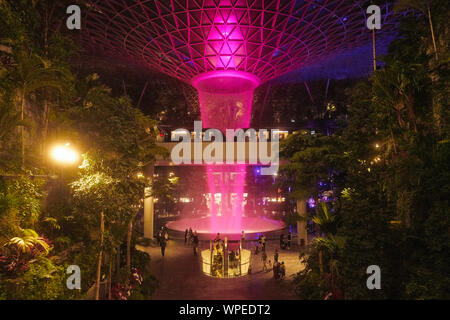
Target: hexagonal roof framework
184, 38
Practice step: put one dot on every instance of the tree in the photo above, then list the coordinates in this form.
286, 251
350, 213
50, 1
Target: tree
166, 191
117, 140
425, 8
394, 155
325, 219
9, 121
313, 158
110, 183
32, 73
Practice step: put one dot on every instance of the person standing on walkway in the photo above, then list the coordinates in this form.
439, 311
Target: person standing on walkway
190, 235
160, 235
166, 235
264, 260
263, 242
195, 242
269, 266
163, 245
257, 248
281, 240
276, 270
289, 238
282, 270
232, 263
186, 236
275, 256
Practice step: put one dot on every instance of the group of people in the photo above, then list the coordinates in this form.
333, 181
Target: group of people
285, 244
191, 237
233, 267
279, 269
261, 244
218, 244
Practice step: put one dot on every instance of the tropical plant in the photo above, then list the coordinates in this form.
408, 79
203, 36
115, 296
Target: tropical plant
29, 241
423, 6
325, 219
33, 73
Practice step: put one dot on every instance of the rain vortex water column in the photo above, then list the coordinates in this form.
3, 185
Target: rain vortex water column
226, 103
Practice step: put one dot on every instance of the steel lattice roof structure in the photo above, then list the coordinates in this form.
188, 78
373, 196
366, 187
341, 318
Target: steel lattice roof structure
185, 38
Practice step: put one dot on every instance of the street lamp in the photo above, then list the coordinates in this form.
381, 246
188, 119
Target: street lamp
64, 154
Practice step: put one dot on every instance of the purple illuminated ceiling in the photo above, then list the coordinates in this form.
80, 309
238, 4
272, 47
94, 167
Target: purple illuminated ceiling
264, 38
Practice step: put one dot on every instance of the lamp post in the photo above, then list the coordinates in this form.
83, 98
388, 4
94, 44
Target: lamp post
64, 155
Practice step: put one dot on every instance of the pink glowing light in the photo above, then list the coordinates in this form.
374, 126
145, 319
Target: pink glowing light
225, 49
266, 38
226, 103
225, 98
252, 226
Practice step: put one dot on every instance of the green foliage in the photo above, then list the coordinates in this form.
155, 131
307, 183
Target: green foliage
42, 281
310, 285
9, 121
118, 141
28, 241
394, 155
332, 244
312, 159
146, 289
19, 205
325, 219
166, 191
139, 259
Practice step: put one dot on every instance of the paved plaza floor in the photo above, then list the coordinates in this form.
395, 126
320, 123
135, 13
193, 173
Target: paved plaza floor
180, 277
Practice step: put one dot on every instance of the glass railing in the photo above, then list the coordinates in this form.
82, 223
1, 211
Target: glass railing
225, 259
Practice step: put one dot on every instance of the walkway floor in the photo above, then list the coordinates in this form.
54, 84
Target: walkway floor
180, 277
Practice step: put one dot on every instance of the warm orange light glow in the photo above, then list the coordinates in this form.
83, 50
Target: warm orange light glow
64, 154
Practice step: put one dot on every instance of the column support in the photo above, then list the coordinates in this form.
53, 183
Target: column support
302, 235
148, 207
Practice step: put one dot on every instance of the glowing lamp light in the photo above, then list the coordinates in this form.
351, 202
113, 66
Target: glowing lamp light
64, 154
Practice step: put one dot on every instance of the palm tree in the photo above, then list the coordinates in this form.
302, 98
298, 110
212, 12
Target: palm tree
31, 74
325, 219
331, 244
90, 90
327, 223
424, 7
394, 88
9, 121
